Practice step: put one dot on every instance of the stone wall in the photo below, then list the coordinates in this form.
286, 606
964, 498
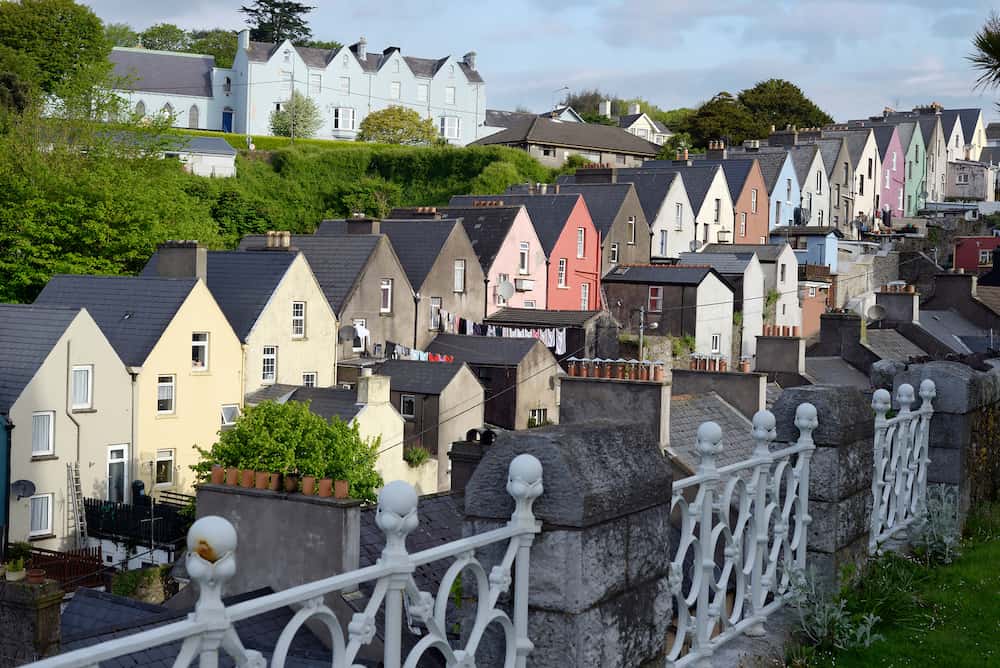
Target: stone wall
29, 621
646, 403
747, 392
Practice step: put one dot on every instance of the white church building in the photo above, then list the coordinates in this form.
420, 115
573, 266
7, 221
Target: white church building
347, 84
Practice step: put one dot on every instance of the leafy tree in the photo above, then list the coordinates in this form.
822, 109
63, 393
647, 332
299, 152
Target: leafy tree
672, 118
321, 44
299, 117
781, 103
277, 20
370, 195
985, 56
495, 178
64, 40
288, 437
164, 37
725, 117
676, 142
121, 34
397, 125
597, 119
218, 42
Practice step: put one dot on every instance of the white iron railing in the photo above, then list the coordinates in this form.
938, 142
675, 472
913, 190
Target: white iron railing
211, 561
745, 528
899, 483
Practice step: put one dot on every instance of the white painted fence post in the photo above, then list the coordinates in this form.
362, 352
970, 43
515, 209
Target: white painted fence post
763, 434
708, 445
396, 517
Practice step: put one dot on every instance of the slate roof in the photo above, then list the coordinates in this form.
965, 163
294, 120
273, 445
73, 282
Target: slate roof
627, 120
993, 131
604, 201
802, 159
765, 252
652, 187
658, 274
241, 282
927, 127
883, 137
891, 345
805, 231
548, 212
724, 263
835, 371
856, 141
336, 261
990, 296
486, 227
485, 350
771, 163
830, 150
948, 327
27, 335
133, 312
697, 180
165, 72
327, 402
948, 118
419, 377
278, 392
540, 318
498, 118
202, 145
689, 411
905, 131
990, 155
551, 132
737, 171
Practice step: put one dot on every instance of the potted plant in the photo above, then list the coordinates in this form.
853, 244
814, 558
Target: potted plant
36, 576
275, 482
15, 570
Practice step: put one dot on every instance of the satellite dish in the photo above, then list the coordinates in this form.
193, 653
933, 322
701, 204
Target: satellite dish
347, 333
876, 312
505, 289
22, 489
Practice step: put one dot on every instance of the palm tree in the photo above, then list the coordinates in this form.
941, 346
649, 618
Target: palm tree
986, 56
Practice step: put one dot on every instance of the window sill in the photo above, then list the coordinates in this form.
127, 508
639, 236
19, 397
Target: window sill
166, 416
386, 314
79, 411
41, 536
200, 372
300, 338
563, 287
44, 458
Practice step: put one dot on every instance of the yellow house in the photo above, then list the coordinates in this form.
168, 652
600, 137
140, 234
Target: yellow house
273, 302
64, 399
184, 359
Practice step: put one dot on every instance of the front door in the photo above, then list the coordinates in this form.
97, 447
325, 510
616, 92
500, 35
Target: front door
118, 473
227, 121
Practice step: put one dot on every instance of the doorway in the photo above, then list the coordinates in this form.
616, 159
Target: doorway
118, 473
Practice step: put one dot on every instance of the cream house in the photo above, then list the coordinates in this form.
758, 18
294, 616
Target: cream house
641, 125
185, 361
65, 398
273, 302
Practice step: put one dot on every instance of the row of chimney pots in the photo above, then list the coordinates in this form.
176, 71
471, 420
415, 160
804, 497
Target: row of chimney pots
619, 369
783, 330
310, 485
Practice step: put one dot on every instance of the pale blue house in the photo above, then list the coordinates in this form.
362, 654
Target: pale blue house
783, 187
812, 245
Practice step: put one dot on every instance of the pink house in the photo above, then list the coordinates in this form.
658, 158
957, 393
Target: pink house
509, 251
892, 186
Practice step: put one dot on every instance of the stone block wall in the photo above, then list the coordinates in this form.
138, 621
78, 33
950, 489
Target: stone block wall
29, 621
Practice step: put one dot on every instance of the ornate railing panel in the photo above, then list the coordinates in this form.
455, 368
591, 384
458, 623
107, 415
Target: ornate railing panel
211, 561
743, 528
899, 482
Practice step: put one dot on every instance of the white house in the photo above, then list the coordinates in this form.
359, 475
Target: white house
346, 84
641, 125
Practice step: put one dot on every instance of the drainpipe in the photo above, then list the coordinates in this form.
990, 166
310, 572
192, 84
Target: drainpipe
134, 472
416, 317
67, 408
486, 296
8, 427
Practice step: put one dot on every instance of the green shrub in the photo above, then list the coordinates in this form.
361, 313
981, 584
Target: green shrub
15, 565
935, 536
824, 621
416, 455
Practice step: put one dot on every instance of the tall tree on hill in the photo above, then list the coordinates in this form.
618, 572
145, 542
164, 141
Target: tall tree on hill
277, 20
781, 103
121, 34
164, 37
218, 42
722, 117
985, 56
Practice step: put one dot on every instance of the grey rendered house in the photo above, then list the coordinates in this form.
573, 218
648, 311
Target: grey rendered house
440, 403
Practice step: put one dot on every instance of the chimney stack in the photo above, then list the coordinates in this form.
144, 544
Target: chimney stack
716, 150
372, 390
902, 305
182, 259
470, 60
604, 108
634, 108
362, 49
466, 455
243, 40
362, 224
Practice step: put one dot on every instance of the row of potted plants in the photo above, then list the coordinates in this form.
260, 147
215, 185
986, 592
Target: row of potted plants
14, 571
290, 482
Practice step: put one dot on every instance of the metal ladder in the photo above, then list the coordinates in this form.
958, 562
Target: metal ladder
76, 515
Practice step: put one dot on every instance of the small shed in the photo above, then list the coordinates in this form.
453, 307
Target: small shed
587, 333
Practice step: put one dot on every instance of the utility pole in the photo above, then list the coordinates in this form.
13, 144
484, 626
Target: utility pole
291, 97
642, 331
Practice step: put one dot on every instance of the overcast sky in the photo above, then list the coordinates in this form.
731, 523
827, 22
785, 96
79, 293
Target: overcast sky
853, 57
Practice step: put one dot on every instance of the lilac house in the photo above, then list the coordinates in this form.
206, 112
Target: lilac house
892, 188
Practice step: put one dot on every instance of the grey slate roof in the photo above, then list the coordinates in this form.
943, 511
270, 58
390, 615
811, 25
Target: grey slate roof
830, 150
736, 171
27, 336
689, 411
202, 145
948, 327
337, 261
652, 187
548, 213
658, 274
948, 118
550, 132
856, 141
242, 283
802, 159
327, 402
132, 311
604, 201
724, 263
164, 71
805, 231
540, 318
417, 244
419, 377
836, 371
765, 252
484, 350
883, 137
927, 127
771, 163
486, 227
891, 345
498, 118
277, 392
905, 131
697, 180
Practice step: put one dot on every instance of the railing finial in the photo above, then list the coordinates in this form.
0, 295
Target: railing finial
763, 432
709, 444
524, 483
928, 392
211, 560
881, 403
905, 397
396, 516
806, 421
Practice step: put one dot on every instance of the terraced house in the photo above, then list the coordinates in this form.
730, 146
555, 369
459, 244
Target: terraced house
346, 84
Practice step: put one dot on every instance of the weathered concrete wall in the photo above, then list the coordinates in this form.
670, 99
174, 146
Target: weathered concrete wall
745, 391
782, 354
645, 403
599, 593
29, 618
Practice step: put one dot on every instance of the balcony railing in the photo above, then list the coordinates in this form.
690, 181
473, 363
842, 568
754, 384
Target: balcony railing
899, 483
211, 562
743, 533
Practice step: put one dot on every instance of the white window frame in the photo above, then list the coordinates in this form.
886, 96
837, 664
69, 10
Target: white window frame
222, 414
123, 460
395, 66
51, 449
459, 276
664, 238
613, 254
423, 91
298, 320
165, 455
654, 299
963, 179
985, 257
49, 501
581, 242
788, 190
435, 313
679, 216
743, 223
203, 345
812, 291
171, 382
716, 343
345, 84
501, 278
449, 95
630, 230
269, 353
315, 84
539, 415
561, 272
413, 405
529, 303
309, 378
718, 210
363, 322
888, 179
819, 181
396, 90
753, 200
523, 257
89, 403
385, 296
450, 127
585, 296
344, 118
819, 217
